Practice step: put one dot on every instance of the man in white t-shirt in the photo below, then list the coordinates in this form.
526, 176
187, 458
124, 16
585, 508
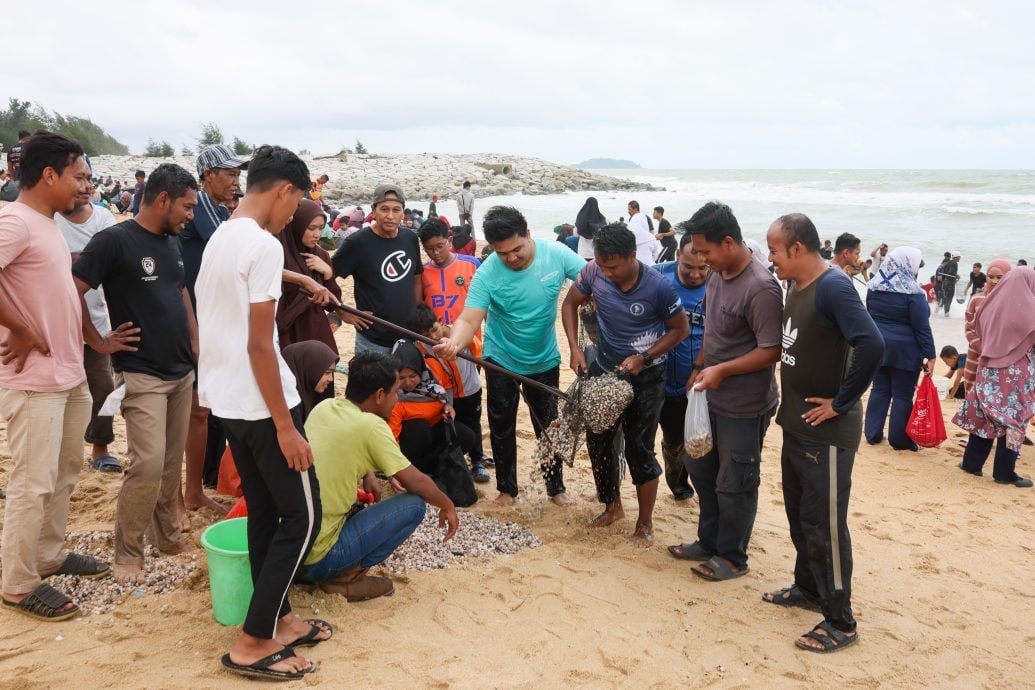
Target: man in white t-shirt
78, 226
646, 245
245, 382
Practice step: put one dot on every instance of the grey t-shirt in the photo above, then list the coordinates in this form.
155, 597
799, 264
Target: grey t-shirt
743, 313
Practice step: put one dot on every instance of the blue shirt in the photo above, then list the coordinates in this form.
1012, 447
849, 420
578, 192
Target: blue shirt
522, 307
196, 233
682, 356
905, 322
631, 321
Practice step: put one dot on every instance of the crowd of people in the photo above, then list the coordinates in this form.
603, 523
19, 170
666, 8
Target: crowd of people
209, 316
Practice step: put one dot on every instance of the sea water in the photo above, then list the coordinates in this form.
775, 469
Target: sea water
982, 214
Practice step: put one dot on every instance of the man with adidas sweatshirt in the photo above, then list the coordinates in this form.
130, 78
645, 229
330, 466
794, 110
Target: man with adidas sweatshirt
825, 327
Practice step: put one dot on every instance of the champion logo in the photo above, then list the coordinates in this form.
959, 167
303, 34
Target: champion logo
395, 267
790, 335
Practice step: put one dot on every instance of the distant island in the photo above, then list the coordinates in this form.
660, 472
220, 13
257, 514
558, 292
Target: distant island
607, 163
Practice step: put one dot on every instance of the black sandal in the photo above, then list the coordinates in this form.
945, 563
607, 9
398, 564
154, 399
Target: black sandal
310, 639
792, 596
84, 566
833, 641
46, 604
261, 668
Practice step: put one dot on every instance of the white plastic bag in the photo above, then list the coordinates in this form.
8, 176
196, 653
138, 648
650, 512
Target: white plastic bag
697, 426
113, 403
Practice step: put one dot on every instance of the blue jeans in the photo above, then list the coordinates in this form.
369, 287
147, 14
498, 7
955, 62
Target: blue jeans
363, 344
369, 537
891, 387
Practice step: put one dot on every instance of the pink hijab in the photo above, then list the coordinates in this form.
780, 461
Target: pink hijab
1006, 319
1004, 267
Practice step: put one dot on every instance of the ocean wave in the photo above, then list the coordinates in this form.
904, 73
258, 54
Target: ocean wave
807, 193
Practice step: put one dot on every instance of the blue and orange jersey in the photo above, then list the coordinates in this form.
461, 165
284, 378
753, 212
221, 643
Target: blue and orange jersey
445, 288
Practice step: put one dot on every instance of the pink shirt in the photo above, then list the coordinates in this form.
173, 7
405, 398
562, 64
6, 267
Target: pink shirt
36, 278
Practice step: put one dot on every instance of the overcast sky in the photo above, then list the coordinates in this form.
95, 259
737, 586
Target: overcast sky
674, 84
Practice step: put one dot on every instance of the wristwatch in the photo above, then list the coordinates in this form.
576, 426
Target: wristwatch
647, 359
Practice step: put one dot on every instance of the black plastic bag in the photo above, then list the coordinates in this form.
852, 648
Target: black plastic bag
453, 476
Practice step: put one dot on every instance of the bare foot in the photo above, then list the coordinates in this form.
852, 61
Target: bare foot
175, 549
198, 501
590, 497
612, 514
181, 515
503, 500
247, 650
291, 628
643, 537
561, 499
128, 574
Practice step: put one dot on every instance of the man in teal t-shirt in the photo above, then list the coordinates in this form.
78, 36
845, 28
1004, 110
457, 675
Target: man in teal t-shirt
515, 292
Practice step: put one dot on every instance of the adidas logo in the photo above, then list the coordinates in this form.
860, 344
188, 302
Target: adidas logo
790, 335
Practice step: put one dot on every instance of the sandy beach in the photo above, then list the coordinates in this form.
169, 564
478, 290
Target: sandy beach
942, 566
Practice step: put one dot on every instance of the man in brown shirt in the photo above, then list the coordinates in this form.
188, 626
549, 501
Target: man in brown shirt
739, 352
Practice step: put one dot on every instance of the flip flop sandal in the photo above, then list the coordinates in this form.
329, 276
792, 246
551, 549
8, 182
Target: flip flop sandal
310, 639
84, 566
106, 463
261, 668
833, 641
792, 596
689, 552
45, 604
721, 570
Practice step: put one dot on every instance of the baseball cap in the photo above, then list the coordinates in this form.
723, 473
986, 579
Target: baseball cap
382, 191
219, 156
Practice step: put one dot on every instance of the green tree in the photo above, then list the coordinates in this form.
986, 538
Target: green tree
186, 150
156, 149
360, 148
210, 134
26, 115
241, 147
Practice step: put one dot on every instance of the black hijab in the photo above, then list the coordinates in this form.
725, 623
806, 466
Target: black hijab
590, 219
308, 360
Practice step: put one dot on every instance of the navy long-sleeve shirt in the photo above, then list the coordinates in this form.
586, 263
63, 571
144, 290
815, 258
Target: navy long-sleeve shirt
905, 322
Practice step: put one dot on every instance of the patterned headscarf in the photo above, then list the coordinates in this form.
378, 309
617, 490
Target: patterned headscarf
898, 271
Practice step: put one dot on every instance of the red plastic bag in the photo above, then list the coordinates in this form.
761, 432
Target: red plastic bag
926, 426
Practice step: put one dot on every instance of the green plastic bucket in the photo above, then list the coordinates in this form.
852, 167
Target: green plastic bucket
229, 570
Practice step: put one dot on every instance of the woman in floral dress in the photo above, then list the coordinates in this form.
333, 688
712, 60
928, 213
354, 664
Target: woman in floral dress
1001, 403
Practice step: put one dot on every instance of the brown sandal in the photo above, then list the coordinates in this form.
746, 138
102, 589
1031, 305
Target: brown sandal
46, 604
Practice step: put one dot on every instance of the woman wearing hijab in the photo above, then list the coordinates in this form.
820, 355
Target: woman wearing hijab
312, 363
994, 273
587, 222
898, 306
298, 319
1001, 402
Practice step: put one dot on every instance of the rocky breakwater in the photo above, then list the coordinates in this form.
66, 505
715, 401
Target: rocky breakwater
354, 176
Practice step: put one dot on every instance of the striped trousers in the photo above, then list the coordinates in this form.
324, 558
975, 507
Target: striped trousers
817, 481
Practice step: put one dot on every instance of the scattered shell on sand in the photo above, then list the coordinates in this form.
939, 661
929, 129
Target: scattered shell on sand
161, 574
478, 536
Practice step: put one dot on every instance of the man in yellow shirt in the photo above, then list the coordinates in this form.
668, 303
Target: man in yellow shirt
351, 441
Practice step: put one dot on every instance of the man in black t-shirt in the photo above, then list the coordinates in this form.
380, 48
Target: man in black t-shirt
139, 265
385, 267
831, 351
666, 235
977, 280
